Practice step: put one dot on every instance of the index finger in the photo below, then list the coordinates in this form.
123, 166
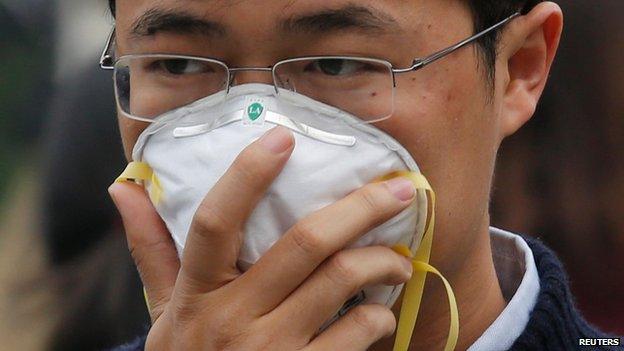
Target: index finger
215, 237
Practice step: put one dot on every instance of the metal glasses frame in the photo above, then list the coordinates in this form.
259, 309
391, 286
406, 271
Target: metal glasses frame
107, 60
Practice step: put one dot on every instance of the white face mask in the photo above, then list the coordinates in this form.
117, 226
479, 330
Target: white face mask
189, 150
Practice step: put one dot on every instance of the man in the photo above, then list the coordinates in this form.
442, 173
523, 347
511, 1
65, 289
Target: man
451, 116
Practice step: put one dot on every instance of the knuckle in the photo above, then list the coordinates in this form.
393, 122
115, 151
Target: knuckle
365, 318
209, 219
138, 257
370, 200
396, 263
374, 319
156, 311
159, 297
140, 252
341, 270
307, 239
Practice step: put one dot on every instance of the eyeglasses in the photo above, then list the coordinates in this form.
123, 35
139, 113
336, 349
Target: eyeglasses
149, 85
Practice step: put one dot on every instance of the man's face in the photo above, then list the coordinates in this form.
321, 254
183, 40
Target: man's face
445, 114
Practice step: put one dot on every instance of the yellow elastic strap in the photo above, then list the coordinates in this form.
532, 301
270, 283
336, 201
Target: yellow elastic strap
415, 286
409, 309
141, 172
147, 301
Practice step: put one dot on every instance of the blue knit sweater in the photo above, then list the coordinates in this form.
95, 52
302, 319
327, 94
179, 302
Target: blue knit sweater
555, 324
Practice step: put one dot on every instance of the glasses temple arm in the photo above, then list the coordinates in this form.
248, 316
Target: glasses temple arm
420, 63
107, 59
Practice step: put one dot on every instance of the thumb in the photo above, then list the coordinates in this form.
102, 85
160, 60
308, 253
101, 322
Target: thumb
149, 243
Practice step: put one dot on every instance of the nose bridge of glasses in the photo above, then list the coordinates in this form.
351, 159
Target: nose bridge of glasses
244, 75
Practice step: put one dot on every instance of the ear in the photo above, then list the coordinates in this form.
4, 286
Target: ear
526, 53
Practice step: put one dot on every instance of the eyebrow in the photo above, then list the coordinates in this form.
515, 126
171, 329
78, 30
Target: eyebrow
349, 17
158, 20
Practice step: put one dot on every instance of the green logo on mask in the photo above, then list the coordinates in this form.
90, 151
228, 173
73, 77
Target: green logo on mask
254, 111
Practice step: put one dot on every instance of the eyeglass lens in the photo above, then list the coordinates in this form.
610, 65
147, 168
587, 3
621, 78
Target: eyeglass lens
148, 86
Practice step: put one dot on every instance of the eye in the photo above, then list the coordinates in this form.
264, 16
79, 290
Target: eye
336, 67
183, 66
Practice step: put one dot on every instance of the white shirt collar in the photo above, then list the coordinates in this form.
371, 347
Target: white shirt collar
519, 282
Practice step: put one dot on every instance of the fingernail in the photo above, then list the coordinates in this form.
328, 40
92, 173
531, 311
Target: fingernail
111, 192
277, 140
407, 263
402, 188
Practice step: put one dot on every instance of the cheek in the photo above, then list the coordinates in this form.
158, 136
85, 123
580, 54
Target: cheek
443, 119
440, 114
130, 131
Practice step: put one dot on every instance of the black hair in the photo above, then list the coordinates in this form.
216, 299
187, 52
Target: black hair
485, 13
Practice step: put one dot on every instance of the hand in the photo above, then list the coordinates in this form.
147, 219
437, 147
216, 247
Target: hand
205, 302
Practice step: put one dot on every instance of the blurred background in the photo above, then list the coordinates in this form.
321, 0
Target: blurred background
66, 279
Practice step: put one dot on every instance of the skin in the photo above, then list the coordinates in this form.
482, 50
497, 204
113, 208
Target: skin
447, 116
